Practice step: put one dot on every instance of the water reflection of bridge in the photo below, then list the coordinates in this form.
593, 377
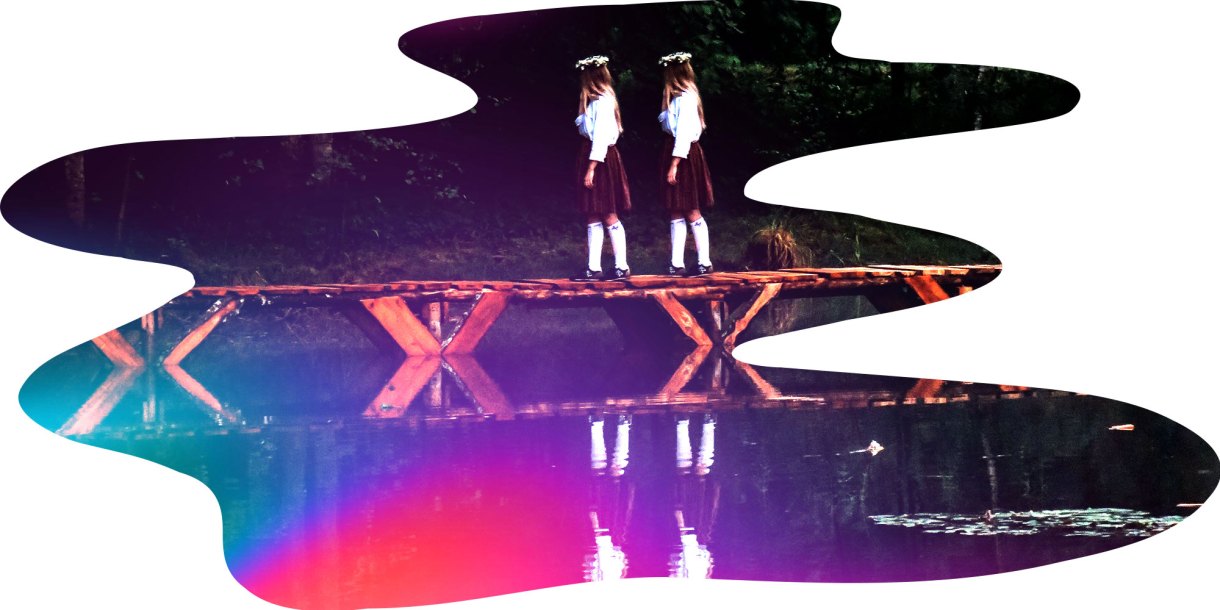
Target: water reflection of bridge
421, 390
437, 325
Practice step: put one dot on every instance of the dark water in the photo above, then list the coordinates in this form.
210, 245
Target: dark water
350, 480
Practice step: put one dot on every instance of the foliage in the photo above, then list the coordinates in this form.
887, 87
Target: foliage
491, 190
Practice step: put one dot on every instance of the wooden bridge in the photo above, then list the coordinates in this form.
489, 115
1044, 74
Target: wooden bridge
415, 317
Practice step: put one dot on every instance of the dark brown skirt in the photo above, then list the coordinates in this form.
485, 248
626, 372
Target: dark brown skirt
610, 193
694, 188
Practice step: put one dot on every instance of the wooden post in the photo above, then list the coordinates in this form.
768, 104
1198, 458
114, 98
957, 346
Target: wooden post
433, 315
487, 307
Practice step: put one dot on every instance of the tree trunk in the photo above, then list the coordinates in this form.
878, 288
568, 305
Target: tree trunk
74, 174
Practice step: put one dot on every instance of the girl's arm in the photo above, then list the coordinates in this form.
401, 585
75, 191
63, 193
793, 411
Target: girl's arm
688, 126
605, 134
605, 127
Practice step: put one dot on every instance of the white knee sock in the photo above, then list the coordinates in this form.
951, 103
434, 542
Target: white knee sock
702, 246
596, 235
677, 240
618, 241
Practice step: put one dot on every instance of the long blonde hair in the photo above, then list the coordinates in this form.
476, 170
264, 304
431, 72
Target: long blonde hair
680, 77
595, 81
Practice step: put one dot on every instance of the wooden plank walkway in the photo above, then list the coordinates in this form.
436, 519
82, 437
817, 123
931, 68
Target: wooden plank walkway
413, 317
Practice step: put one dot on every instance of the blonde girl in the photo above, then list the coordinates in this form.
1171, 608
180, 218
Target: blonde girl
686, 185
603, 181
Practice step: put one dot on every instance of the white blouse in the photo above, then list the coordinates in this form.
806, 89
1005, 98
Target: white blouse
599, 125
682, 122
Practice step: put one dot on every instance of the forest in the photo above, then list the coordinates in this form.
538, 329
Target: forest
490, 192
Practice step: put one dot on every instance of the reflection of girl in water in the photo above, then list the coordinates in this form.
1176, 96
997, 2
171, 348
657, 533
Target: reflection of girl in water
696, 500
603, 181
611, 500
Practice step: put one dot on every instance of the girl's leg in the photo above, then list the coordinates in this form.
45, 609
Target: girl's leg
618, 240
698, 227
677, 241
595, 233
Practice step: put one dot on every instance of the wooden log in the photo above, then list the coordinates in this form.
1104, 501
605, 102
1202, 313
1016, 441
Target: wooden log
682, 317
402, 388
200, 332
738, 323
388, 322
470, 330
199, 393
479, 386
117, 350
685, 371
99, 405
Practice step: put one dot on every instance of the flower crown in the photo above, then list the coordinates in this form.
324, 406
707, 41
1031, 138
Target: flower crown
675, 58
593, 60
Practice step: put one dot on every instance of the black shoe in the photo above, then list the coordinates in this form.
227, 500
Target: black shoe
620, 274
587, 275
700, 270
675, 271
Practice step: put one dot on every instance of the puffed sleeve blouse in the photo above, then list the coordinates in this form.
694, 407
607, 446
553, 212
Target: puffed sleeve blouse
681, 120
599, 125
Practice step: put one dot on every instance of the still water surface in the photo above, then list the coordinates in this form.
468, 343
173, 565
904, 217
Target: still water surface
348, 480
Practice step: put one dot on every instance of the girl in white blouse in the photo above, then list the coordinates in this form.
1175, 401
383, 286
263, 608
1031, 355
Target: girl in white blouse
603, 181
686, 184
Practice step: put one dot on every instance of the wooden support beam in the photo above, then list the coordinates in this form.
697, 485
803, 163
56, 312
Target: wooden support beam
925, 389
200, 332
682, 317
388, 322
479, 386
926, 287
470, 330
101, 402
738, 323
685, 371
199, 393
117, 350
402, 388
760, 385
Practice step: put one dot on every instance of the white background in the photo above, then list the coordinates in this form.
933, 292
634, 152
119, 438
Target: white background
1103, 220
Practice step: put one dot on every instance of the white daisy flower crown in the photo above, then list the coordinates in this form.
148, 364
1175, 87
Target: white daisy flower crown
592, 60
675, 58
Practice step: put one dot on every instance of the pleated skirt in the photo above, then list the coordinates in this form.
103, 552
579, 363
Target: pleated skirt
694, 188
610, 193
